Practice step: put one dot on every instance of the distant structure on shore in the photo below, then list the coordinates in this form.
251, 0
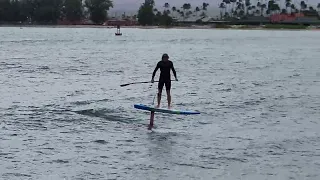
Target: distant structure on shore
128, 21
293, 18
118, 33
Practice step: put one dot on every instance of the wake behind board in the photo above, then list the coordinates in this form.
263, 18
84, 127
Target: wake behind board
163, 110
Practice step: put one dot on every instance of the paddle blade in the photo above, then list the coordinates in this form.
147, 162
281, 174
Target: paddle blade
122, 85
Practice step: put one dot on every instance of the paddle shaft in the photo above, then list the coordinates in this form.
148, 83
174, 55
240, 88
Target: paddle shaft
122, 85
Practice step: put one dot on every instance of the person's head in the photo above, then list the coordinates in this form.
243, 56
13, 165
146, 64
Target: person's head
165, 57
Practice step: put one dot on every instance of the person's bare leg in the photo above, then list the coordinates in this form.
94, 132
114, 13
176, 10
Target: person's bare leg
169, 99
159, 98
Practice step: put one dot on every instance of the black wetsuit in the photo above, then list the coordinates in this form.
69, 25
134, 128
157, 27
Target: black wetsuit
165, 76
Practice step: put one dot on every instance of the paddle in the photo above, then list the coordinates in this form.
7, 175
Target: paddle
122, 85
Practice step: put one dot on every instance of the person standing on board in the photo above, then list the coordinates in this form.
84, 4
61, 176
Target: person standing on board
165, 65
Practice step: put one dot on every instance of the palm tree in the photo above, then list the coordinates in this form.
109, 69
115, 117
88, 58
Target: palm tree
311, 9
174, 9
235, 13
283, 11
166, 5
204, 9
205, 6
197, 10
271, 6
292, 7
303, 5
203, 14
249, 10
167, 12
241, 13
258, 12
226, 15
189, 13
253, 8
166, 9
259, 6
222, 6
277, 8
186, 6
240, 8
181, 13
288, 5
227, 3
155, 10
158, 14
233, 3
263, 7
248, 4
268, 12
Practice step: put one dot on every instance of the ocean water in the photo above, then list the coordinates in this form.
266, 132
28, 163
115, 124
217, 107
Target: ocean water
64, 115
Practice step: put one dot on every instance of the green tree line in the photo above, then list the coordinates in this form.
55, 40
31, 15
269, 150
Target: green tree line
149, 15
50, 11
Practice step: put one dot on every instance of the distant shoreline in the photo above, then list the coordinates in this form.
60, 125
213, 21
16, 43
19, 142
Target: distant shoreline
236, 27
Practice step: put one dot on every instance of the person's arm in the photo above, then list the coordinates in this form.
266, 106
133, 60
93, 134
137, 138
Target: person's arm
154, 72
174, 72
